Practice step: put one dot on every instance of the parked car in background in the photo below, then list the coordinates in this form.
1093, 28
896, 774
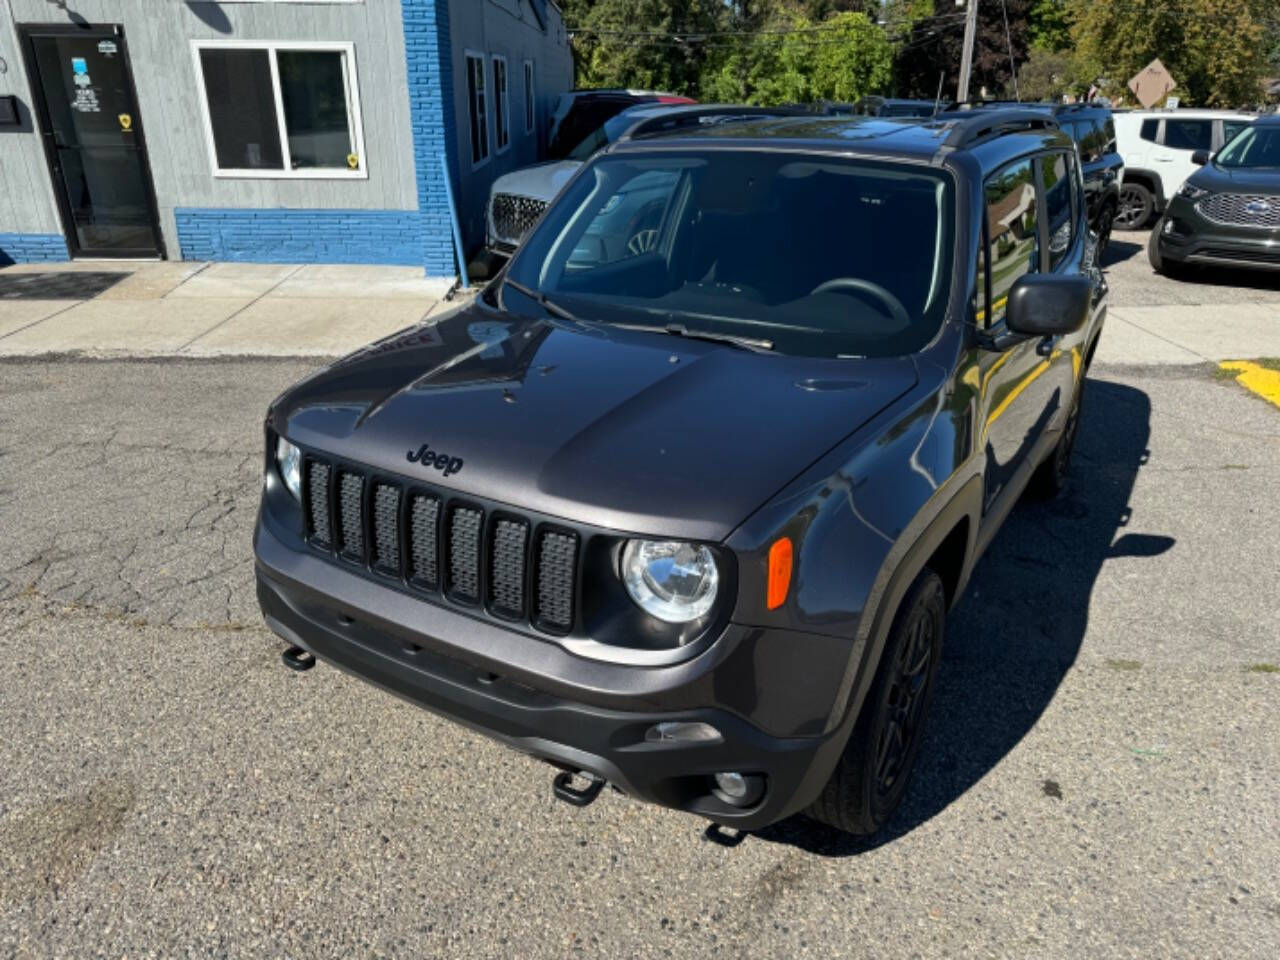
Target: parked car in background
579, 112
517, 200
1227, 213
1092, 127
1157, 147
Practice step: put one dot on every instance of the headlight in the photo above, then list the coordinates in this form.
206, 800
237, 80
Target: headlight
289, 463
673, 581
1192, 193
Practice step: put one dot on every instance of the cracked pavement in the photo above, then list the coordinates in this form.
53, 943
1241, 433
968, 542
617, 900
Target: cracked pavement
1101, 775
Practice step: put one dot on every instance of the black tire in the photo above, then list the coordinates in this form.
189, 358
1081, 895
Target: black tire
1158, 263
871, 777
1137, 203
1053, 476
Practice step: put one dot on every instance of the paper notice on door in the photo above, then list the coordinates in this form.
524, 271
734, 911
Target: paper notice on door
86, 100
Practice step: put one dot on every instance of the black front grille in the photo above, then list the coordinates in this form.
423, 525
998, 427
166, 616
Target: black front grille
465, 526
514, 216
351, 515
499, 562
1250, 256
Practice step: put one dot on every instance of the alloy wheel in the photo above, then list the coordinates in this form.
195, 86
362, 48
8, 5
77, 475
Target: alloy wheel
904, 706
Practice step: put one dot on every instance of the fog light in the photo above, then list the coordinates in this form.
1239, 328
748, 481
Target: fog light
739, 789
682, 732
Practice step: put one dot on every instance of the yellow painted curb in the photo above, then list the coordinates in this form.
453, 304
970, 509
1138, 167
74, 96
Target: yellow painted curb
1253, 376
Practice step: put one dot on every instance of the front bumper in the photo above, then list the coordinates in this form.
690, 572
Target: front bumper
574, 713
1197, 240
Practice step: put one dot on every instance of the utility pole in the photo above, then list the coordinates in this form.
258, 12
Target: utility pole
966, 55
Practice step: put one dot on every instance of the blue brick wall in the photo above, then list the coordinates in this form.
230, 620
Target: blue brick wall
431, 117
301, 236
31, 248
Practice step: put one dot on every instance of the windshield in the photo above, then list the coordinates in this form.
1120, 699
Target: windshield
821, 256
1255, 146
601, 136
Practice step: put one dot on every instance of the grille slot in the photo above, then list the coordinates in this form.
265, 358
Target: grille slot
386, 527
557, 569
1241, 210
514, 216
351, 514
318, 503
507, 567
1252, 256
424, 516
477, 559
465, 525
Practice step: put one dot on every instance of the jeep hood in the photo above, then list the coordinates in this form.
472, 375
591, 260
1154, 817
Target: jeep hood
635, 431
541, 182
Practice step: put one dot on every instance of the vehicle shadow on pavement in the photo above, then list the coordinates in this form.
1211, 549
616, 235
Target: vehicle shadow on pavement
1018, 628
1118, 251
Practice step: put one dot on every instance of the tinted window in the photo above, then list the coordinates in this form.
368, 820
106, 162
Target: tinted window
1013, 247
1231, 129
583, 117
1149, 128
1108, 134
823, 256
1257, 146
242, 109
1088, 137
1188, 134
1059, 208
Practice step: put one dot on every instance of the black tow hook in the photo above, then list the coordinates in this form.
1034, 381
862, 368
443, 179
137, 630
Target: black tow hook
562, 787
295, 658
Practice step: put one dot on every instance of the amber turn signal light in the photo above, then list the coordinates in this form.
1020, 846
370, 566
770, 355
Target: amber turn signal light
779, 572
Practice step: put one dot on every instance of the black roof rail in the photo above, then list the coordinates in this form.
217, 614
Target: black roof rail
970, 128
680, 118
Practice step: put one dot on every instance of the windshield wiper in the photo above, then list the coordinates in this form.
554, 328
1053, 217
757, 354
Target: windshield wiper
754, 344
540, 298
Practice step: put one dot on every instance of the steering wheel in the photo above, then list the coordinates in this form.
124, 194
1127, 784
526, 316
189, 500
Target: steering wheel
858, 285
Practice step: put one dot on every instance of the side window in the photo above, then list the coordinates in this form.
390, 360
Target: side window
1092, 141
1059, 208
631, 222
1149, 128
1108, 135
1012, 240
1188, 134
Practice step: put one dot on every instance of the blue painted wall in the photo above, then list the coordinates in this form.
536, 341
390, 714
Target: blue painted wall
305, 236
431, 116
31, 248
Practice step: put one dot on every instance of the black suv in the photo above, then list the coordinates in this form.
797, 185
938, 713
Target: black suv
1227, 214
1093, 128
681, 500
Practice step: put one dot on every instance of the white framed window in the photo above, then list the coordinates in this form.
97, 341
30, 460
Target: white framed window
501, 103
478, 109
286, 109
530, 105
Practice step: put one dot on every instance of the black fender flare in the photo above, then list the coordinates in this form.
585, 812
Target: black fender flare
1149, 178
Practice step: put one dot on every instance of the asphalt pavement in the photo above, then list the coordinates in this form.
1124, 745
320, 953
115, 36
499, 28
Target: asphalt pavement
1101, 776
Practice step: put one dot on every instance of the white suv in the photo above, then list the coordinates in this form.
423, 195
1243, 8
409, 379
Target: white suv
1157, 146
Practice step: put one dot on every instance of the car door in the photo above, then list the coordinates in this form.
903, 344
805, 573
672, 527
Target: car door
1179, 140
1017, 394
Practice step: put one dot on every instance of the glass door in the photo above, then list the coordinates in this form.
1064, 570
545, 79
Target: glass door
93, 140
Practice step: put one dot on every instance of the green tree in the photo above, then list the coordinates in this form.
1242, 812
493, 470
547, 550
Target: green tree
1215, 49
788, 61
612, 49
935, 44
1049, 25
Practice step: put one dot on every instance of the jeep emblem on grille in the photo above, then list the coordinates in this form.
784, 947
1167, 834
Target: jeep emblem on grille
430, 458
1258, 207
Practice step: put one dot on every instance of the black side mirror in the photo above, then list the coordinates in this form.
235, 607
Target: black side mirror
1049, 304
1201, 157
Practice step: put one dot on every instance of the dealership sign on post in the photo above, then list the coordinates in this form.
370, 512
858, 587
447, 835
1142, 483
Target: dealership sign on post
1151, 83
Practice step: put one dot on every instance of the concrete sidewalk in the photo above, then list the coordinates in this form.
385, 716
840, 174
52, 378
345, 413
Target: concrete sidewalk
220, 309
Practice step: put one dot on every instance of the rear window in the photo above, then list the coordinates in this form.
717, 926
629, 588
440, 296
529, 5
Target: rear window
1188, 134
1149, 129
